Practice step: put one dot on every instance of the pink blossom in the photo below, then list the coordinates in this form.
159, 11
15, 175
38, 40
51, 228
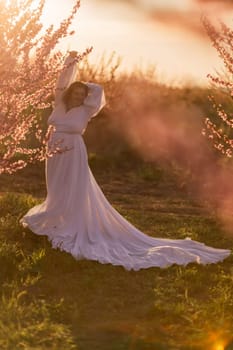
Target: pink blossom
29, 67
222, 41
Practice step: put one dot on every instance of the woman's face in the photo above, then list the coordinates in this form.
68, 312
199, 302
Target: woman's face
77, 96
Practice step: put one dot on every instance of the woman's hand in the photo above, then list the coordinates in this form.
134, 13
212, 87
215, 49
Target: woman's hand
73, 54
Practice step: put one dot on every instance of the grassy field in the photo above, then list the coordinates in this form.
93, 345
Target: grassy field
50, 301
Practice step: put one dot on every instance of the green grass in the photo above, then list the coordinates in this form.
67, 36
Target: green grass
50, 301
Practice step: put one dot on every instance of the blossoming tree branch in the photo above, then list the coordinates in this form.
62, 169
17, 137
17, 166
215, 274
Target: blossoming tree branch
220, 129
29, 65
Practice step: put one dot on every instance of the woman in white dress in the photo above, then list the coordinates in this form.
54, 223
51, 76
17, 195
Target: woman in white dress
76, 216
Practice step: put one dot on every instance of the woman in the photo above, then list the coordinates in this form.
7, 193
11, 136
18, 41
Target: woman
76, 216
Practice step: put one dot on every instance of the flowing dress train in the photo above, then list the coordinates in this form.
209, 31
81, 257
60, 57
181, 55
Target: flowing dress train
76, 216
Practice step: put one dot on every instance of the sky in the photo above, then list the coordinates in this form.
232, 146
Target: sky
167, 34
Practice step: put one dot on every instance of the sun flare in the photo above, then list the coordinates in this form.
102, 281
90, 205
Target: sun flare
219, 346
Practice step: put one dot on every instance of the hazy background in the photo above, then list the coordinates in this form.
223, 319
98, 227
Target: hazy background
164, 33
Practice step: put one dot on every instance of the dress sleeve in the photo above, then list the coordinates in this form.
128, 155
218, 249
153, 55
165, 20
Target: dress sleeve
95, 100
66, 78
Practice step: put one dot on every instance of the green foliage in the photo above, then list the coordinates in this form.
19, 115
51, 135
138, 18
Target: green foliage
26, 322
29, 325
13, 205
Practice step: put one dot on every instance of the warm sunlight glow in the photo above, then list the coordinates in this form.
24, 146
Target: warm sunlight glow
219, 346
217, 339
176, 46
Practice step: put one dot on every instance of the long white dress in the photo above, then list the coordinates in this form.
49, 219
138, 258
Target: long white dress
76, 216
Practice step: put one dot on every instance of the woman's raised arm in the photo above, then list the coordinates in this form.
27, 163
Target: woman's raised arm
95, 100
66, 77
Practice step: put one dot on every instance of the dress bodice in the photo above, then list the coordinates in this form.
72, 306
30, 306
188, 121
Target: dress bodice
76, 119
73, 121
